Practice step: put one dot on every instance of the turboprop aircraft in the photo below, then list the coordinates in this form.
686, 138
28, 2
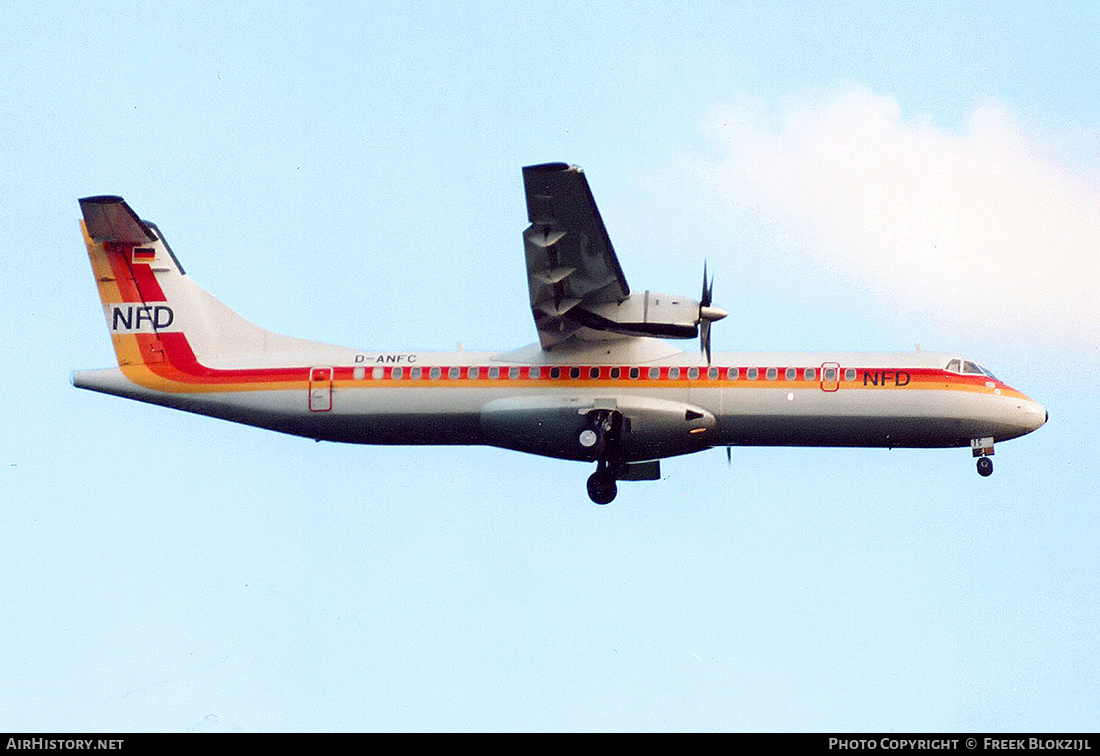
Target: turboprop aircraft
601, 384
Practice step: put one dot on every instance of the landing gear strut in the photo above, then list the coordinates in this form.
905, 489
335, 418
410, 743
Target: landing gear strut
983, 450
603, 438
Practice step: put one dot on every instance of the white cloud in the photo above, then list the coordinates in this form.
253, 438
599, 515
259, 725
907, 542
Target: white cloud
984, 228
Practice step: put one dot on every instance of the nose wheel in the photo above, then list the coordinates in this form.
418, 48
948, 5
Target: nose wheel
983, 450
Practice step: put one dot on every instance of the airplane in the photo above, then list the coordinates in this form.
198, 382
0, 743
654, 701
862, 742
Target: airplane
600, 385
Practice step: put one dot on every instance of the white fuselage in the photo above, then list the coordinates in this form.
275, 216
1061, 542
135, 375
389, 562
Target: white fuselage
598, 386
510, 400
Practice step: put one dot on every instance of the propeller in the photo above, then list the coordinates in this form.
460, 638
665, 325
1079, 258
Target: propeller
708, 313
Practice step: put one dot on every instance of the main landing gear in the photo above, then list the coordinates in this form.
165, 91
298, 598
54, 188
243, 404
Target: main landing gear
983, 450
603, 440
601, 484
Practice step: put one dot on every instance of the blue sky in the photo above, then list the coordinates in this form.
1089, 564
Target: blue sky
856, 178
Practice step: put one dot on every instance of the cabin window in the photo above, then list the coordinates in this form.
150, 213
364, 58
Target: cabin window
771, 374
574, 372
397, 372
435, 373
494, 373
534, 373
615, 372
359, 373
472, 373
828, 374
513, 373
849, 374
593, 372
791, 374
733, 374
693, 373
810, 374
654, 373
674, 373
635, 372
752, 374
454, 373
555, 373
416, 373
712, 373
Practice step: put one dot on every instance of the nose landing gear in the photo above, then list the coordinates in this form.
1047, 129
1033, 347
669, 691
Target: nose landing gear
983, 450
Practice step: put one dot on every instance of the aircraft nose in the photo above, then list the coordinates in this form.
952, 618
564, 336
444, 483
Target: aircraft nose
1037, 415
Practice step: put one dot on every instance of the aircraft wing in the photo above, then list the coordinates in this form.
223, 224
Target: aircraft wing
571, 265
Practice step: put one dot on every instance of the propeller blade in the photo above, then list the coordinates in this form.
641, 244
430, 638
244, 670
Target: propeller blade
707, 313
704, 339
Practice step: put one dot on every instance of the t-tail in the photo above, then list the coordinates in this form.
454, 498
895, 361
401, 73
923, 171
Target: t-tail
169, 334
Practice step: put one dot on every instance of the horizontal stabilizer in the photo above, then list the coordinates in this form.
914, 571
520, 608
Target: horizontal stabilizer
110, 219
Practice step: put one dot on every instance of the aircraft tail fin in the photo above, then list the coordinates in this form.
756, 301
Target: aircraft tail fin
151, 306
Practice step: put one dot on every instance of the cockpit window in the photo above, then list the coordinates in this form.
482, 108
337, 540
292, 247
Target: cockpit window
967, 367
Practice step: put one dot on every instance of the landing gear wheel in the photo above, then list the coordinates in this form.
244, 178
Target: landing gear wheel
985, 466
601, 487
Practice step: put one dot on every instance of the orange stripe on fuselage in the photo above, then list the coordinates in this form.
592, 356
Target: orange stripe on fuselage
106, 273
181, 372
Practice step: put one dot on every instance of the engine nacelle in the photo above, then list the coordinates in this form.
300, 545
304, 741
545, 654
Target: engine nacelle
647, 314
553, 426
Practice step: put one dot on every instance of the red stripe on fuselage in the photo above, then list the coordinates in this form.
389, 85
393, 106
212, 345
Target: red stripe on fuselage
136, 281
182, 366
118, 257
147, 283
